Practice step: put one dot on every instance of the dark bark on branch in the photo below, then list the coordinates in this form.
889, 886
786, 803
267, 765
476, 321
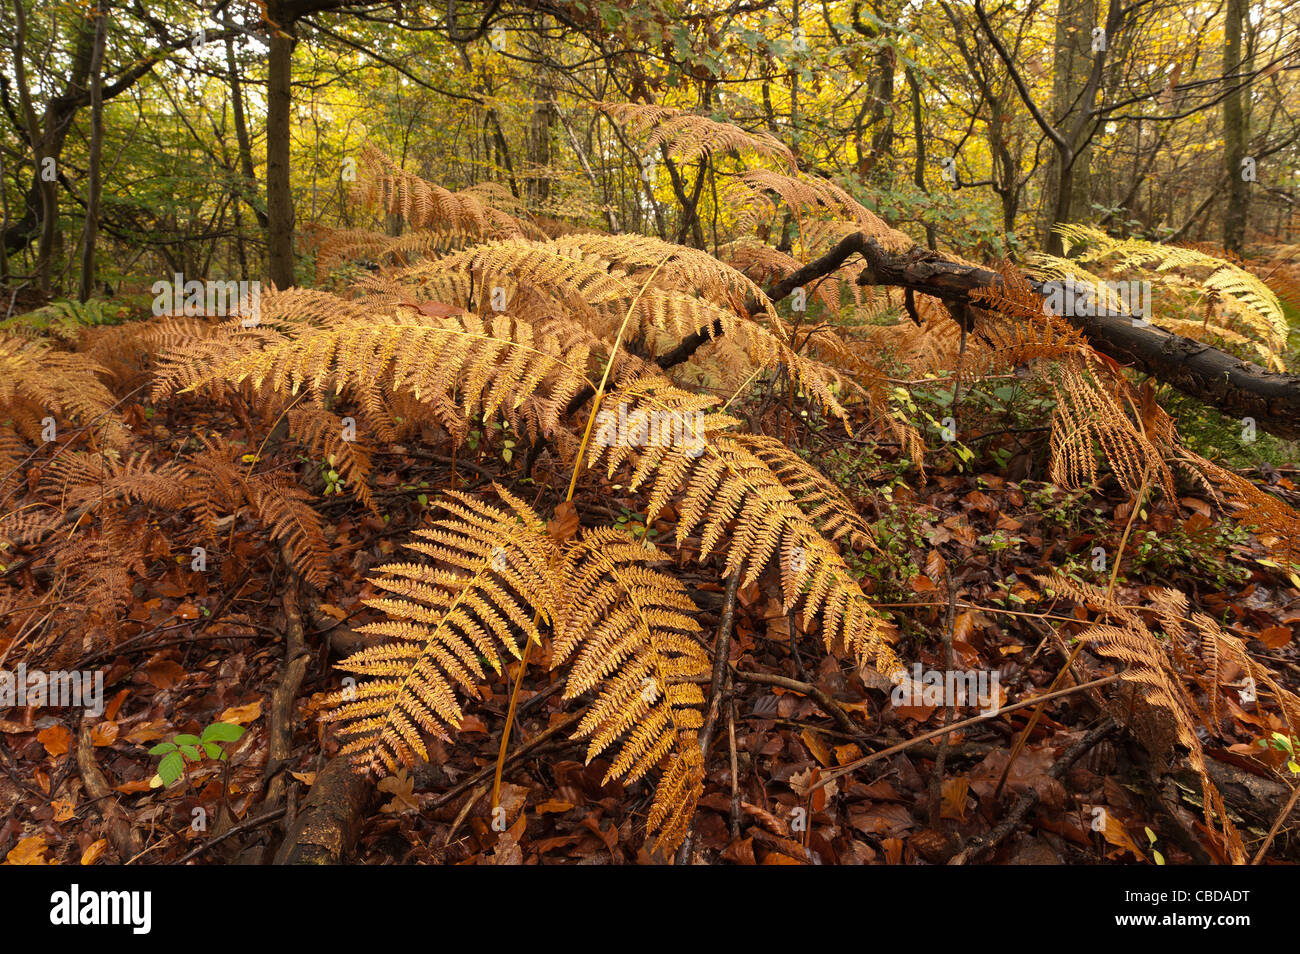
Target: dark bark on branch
1235, 387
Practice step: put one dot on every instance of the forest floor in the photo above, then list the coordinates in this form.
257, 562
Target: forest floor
199, 648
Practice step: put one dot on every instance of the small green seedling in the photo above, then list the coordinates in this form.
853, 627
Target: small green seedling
1284, 743
334, 482
185, 748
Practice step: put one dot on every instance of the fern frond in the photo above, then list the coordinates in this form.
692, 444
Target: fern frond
321, 432
809, 199
37, 380
688, 136
818, 496
598, 294
286, 510
1151, 668
80, 478
481, 366
341, 246
1271, 519
425, 205
1255, 309
1089, 418
491, 570
633, 637
721, 481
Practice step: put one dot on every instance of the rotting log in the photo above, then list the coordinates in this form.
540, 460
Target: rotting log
327, 826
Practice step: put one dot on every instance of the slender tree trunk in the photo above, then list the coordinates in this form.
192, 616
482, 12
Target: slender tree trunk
881, 97
538, 181
279, 195
1234, 129
918, 131
1068, 176
242, 140
95, 185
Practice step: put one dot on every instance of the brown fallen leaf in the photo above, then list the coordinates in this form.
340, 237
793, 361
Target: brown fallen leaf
816, 746
955, 791
56, 739
239, 715
1275, 637
402, 788
555, 806
565, 522
847, 753
164, 673
114, 704
740, 852
893, 848
148, 732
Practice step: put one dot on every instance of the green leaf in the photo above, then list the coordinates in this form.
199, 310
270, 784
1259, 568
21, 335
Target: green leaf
222, 732
162, 748
171, 768
192, 753
185, 739
213, 750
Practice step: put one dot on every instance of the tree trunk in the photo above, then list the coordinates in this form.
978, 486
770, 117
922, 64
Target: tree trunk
245, 145
45, 136
1234, 129
1068, 176
279, 197
93, 173
918, 132
880, 97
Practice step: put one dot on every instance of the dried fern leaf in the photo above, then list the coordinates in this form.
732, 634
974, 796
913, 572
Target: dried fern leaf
490, 572
632, 634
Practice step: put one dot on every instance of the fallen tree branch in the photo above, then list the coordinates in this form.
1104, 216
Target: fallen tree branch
856, 764
248, 825
329, 822
121, 833
284, 699
1234, 386
818, 695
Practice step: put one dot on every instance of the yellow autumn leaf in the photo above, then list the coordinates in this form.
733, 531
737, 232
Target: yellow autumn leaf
28, 851
238, 715
93, 851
